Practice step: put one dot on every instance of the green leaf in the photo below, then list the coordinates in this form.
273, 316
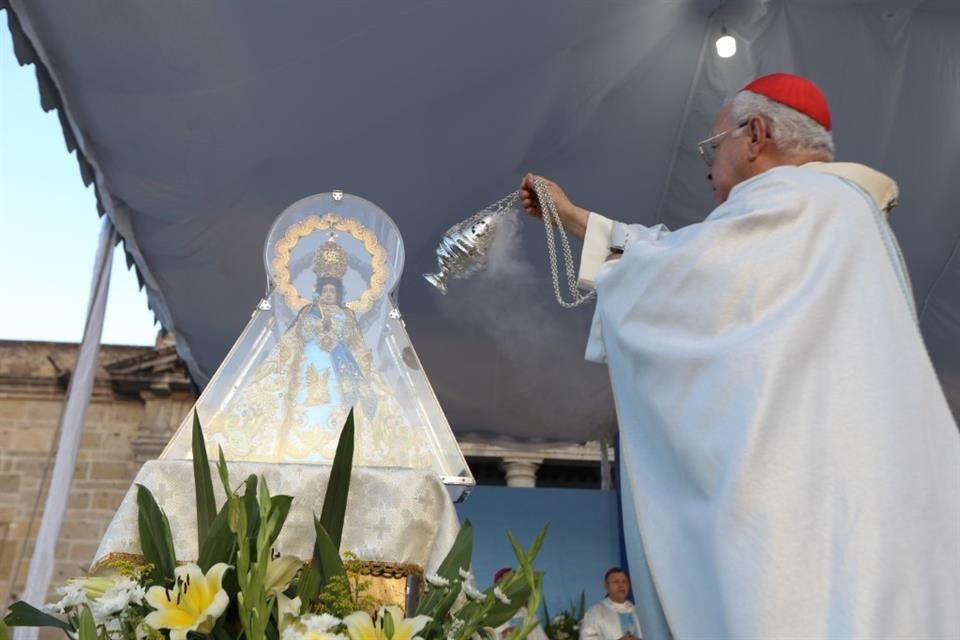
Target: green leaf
88, 628
457, 558
219, 633
279, 509
220, 543
326, 556
526, 559
326, 564
308, 586
203, 483
250, 489
273, 633
223, 472
388, 627
438, 611
22, 614
335, 501
459, 555
519, 591
155, 537
4, 633
530, 621
263, 497
252, 509
521, 588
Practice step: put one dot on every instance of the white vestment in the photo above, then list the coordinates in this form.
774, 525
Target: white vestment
603, 621
790, 465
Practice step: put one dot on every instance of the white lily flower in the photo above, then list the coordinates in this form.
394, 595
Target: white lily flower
501, 596
118, 597
472, 592
287, 610
311, 627
72, 595
437, 581
319, 622
114, 629
280, 571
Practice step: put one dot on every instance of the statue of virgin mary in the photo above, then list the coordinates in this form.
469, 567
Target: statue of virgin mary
326, 340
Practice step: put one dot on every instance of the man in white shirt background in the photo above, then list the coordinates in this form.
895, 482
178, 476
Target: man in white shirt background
613, 618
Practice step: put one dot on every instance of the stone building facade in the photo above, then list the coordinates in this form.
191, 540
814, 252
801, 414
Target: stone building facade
140, 396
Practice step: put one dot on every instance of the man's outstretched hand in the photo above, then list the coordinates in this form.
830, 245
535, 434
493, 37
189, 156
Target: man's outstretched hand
574, 218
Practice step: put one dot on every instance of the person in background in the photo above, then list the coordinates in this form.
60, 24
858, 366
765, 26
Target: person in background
613, 618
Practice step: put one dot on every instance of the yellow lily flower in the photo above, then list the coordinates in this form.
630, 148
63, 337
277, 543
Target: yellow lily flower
280, 571
360, 626
193, 604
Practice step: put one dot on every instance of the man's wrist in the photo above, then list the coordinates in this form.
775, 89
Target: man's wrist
577, 223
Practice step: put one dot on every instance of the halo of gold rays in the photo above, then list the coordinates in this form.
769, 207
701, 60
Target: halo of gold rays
329, 222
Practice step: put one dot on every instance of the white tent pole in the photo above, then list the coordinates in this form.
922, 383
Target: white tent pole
71, 428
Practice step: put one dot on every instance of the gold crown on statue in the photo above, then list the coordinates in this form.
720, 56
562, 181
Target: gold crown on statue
331, 260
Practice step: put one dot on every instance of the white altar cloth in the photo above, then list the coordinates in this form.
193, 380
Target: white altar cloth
394, 515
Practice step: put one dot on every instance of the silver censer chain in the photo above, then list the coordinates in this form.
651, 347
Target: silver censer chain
551, 217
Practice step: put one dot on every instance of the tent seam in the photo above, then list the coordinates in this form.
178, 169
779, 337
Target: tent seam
665, 189
940, 276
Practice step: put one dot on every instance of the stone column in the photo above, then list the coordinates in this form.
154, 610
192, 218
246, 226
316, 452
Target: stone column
521, 472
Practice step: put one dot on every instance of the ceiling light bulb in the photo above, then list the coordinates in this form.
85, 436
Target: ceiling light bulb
726, 45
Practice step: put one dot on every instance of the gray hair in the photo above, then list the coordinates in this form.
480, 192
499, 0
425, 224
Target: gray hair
791, 130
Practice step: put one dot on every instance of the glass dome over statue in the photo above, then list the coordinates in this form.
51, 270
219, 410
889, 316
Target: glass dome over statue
327, 339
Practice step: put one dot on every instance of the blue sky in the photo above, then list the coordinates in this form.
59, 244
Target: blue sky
49, 228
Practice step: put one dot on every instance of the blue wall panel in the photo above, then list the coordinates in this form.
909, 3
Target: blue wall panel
582, 543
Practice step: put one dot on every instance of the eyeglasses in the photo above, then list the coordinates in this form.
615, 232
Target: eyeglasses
708, 147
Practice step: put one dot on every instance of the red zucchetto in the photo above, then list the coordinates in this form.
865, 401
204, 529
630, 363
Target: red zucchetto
796, 92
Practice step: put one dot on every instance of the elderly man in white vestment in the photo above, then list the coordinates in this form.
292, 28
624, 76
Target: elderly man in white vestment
790, 465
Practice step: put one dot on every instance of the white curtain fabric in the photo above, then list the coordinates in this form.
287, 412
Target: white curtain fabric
71, 429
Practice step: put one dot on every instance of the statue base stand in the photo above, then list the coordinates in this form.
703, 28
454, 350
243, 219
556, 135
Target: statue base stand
399, 522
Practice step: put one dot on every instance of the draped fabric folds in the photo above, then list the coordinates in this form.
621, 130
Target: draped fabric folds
791, 465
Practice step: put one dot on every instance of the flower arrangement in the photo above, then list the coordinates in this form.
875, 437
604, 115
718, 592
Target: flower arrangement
241, 587
566, 624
